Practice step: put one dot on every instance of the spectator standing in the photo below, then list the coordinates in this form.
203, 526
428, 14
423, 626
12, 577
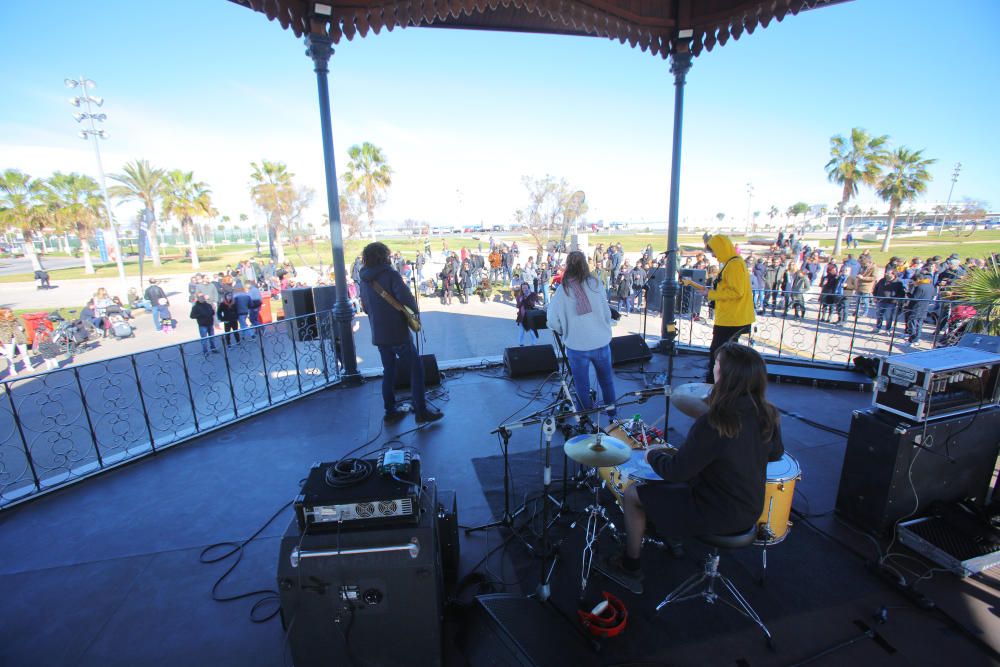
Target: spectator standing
153, 294
526, 299
13, 340
230, 319
203, 313
888, 293
799, 287
921, 296
243, 300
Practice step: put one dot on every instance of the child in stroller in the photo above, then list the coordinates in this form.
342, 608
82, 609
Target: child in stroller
117, 323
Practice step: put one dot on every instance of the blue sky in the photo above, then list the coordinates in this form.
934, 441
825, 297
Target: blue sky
463, 115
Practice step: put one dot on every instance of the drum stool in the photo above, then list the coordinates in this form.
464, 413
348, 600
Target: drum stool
709, 575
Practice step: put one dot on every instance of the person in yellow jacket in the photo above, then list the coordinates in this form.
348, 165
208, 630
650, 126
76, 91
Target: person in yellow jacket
733, 298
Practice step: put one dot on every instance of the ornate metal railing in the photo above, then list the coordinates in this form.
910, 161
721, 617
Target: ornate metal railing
62, 426
836, 330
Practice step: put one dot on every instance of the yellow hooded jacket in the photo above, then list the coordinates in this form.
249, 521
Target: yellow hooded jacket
733, 298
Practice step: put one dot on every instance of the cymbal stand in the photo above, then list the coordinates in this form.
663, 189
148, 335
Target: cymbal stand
595, 512
544, 591
507, 518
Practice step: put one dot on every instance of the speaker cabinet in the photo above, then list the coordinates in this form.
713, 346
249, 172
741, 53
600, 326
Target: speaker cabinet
296, 303
952, 460
373, 593
629, 348
324, 297
432, 376
529, 360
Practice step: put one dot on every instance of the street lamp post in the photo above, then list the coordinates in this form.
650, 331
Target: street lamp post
86, 101
749, 204
951, 190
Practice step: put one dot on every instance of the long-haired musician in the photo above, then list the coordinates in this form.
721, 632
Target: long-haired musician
716, 479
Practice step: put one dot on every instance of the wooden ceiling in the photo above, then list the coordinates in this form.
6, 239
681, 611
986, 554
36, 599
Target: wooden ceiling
654, 26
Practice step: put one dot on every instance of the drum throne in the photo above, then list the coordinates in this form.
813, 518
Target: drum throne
710, 577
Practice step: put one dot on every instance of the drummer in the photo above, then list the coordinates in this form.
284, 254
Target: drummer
718, 476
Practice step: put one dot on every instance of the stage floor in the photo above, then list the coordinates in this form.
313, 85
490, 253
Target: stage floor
107, 572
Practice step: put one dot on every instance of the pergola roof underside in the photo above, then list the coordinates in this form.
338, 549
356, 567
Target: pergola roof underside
651, 25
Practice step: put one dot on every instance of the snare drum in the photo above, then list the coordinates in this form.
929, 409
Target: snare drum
615, 430
635, 470
773, 525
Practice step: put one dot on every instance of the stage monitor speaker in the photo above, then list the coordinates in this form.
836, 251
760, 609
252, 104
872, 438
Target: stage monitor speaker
372, 596
507, 630
297, 302
432, 376
953, 460
629, 348
324, 298
529, 360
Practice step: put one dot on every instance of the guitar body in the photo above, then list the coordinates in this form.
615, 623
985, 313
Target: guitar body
412, 320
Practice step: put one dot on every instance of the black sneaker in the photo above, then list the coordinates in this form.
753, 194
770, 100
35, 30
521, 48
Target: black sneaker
393, 416
429, 415
612, 568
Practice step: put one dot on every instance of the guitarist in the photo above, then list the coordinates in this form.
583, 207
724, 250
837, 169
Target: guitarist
734, 311
382, 290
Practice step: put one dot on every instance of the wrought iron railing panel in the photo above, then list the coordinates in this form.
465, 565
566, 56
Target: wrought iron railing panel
17, 478
115, 411
280, 361
54, 428
60, 426
167, 394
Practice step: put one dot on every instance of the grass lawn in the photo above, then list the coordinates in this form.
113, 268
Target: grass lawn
216, 258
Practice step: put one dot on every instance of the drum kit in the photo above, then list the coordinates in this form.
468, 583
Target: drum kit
617, 457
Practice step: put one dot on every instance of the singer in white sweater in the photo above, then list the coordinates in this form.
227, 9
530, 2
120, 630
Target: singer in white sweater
580, 314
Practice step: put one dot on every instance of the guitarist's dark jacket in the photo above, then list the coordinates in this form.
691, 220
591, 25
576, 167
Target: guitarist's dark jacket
388, 325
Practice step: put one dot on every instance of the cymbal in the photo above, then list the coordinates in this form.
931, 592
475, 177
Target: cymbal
597, 450
692, 398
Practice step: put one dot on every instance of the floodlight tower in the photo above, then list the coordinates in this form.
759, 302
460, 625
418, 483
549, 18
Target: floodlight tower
88, 102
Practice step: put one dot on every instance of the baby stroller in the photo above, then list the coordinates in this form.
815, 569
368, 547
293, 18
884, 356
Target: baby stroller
117, 325
956, 325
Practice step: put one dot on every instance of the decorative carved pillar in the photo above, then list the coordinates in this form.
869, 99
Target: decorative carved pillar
319, 48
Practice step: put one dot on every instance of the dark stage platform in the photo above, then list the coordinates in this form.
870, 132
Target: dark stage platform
108, 572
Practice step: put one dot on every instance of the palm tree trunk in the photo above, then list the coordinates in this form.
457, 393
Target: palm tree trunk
88, 263
371, 223
279, 248
888, 230
195, 264
154, 243
840, 223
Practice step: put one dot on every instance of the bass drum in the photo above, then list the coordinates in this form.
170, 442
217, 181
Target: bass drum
773, 525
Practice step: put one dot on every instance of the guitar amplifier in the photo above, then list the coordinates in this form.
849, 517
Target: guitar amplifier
335, 499
365, 597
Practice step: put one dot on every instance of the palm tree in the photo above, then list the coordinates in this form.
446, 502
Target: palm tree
907, 177
77, 206
22, 205
858, 159
142, 183
981, 288
186, 199
772, 213
369, 175
271, 189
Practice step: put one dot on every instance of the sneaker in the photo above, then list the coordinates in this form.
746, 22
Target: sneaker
393, 416
429, 415
612, 568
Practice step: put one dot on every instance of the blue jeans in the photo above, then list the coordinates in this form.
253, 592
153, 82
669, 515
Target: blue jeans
886, 314
404, 355
206, 337
530, 333
243, 320
156, 318
580, 363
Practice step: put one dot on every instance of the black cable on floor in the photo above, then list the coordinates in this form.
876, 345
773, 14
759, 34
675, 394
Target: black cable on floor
267, 596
